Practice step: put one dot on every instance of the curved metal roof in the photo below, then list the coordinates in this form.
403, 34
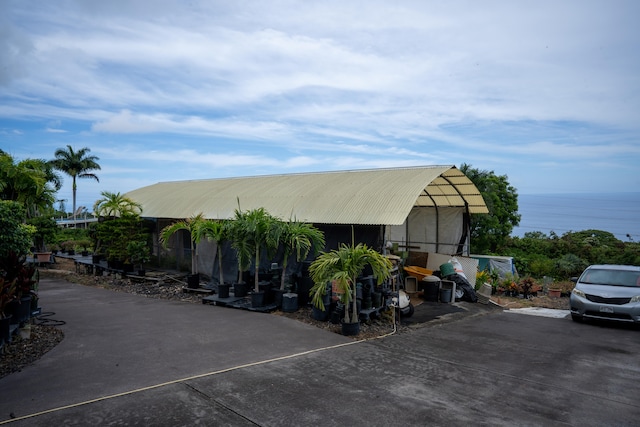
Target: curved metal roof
375, 196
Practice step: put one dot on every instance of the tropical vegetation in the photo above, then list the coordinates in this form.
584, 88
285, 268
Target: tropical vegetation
489, 231
342, 267
299, 239
115, 204
254, 230
218, 231
563, 256
30, 182
194, 226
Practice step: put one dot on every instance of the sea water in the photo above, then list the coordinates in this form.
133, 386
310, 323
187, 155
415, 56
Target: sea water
617, 213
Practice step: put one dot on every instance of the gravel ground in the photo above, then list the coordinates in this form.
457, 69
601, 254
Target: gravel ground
23, 351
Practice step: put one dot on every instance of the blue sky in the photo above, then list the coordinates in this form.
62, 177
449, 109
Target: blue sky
545, 92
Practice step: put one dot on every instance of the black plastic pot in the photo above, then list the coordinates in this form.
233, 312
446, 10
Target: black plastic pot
337, 314
266, 288
304, 284
257, 299
289, 302
5, 324
321, 315
20, 310
193, 281
350, 329
376, 300
223, 291
240, 289
277, 296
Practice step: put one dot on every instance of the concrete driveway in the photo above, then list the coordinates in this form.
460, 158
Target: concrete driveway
129, 360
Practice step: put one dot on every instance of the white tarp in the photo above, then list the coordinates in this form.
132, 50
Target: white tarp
430, 230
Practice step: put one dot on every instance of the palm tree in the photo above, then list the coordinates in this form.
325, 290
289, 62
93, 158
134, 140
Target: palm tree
343, 266
301, 238
115, 204
31, 182
220, 232
76, 164
254, 230
194, 226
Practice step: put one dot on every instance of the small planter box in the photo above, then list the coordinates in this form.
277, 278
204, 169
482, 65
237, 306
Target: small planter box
42, 258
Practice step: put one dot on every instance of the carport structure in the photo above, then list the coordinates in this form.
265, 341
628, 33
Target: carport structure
422, 209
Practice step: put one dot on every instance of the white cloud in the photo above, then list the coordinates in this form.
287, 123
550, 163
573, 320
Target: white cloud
125, 122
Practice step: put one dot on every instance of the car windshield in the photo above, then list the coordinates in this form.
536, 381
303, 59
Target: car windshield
596, 276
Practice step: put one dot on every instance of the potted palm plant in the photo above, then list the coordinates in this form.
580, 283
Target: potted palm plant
194, 226
342, 267
255, 230
297, 238
240, 243
220, 232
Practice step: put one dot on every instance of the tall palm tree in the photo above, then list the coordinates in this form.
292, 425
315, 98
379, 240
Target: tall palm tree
115, 204
76, 164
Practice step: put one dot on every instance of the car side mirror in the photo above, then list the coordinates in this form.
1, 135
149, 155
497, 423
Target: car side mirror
574, 279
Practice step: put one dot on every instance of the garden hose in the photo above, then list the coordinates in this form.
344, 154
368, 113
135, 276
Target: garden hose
45, 320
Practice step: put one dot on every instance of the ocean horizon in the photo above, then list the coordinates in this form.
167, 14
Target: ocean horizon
617, 213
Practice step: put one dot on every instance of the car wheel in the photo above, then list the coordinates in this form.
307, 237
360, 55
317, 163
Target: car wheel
576, 317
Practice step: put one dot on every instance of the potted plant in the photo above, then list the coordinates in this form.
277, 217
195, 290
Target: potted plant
21, 284
239, 242
69, 246
45, 231
139, 253
297, 238
528, 286
342, 266
85, 244
220, 232
254, 231
194, 226
7, 296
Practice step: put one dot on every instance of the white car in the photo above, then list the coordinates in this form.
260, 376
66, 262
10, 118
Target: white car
609, 292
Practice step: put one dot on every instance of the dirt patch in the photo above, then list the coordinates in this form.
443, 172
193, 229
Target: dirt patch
543, 301
23, 350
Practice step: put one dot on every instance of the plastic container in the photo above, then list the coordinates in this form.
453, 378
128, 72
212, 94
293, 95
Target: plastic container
289, 302
445, 295
447, 269
430, 286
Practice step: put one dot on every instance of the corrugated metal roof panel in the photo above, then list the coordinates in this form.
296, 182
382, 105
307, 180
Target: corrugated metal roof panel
379, 196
